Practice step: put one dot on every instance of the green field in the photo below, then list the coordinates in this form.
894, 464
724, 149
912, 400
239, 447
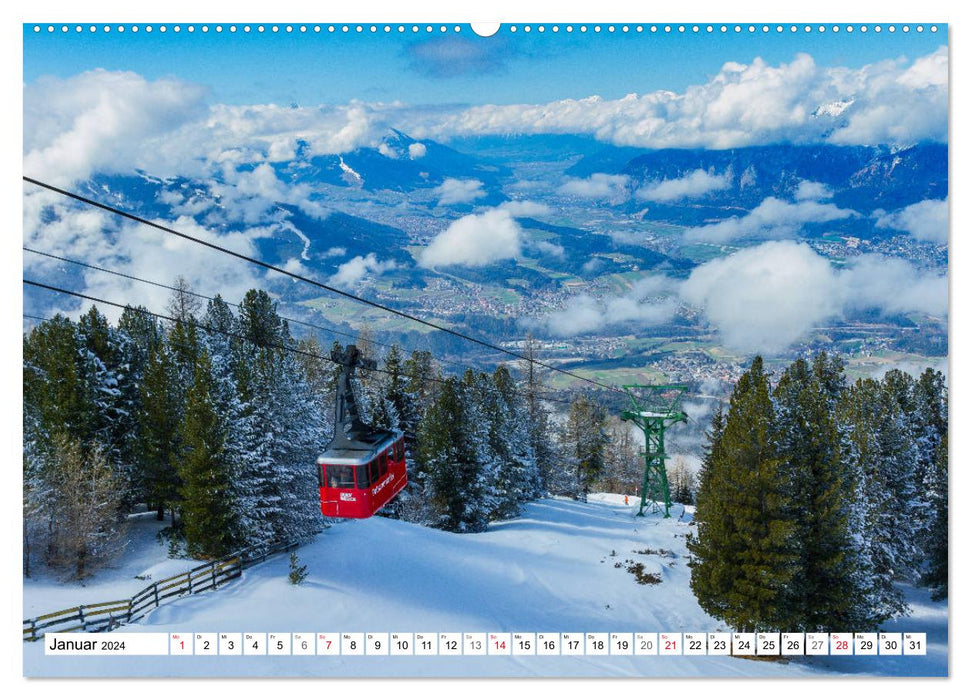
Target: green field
614, 376
338, 310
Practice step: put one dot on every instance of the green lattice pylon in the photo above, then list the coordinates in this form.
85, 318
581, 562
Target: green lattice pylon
654, 408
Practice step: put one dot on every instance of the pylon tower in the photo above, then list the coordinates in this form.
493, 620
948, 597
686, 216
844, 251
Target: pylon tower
654, 408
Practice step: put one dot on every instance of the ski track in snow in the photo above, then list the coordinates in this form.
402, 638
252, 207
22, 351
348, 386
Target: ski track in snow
550, 570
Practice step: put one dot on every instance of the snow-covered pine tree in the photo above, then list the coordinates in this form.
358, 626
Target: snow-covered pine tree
682, 482
420, 380
539, 424
745, 558
437, 459
900, 461
255, 482
454, 459
506, 481
204, 468
827, 590
479, 463
157, 441
390, 407
138, 333
304, 438
563, 477
935, 576
225, 354
101, 368
298, 572
54, 384
866, 415
66, 389
276, 483
318, 374
586, 438
38, 495
624, 472
930, 406
509, 433
711, 577
389, 395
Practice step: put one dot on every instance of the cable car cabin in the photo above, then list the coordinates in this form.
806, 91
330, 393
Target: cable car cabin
362, 468
357, 483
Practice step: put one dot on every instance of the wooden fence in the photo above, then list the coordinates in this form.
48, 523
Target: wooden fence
100, 617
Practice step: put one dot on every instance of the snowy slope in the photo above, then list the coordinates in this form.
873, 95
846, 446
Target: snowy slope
143, 560
553, 569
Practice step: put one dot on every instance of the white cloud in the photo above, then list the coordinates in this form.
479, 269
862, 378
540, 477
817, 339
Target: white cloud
597, 186
815, 191
892, 101
692, 185
99, 239
927, 71
417, 150
248, 195
256, 128
627, 237
649, 301
765, 298
582, 314
773, 218
896, 102
593, 265
101, 120
456, 191
475, 240
351, 273
116, 121
525, 208
551, 249
926, 220
386, 150
893, 285
912, 367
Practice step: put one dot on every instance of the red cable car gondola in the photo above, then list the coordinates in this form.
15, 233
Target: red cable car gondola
363, 467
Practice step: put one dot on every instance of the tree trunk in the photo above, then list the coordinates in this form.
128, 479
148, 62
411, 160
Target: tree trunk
26, 551
82, 553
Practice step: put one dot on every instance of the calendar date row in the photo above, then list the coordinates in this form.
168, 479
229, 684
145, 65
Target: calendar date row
488, 644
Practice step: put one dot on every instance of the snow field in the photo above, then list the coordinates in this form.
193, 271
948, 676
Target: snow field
552, 569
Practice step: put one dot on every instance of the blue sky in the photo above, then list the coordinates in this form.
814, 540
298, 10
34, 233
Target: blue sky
437, 68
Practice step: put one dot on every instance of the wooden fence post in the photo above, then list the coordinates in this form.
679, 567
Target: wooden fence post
155, 589
213, 569
84, 623
188, 578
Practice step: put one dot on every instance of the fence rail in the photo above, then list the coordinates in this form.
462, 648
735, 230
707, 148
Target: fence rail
100, 617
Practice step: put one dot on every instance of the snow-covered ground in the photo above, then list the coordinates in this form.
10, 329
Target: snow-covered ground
553, 570
143, 560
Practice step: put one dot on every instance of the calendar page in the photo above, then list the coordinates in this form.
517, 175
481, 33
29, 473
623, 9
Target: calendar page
435, 349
